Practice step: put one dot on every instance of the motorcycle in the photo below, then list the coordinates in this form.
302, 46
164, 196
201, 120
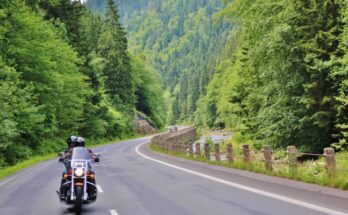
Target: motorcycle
78, 187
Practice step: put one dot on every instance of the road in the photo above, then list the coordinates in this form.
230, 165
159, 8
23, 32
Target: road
134, 181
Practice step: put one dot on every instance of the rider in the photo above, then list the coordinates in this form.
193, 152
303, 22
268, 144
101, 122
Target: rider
74, 141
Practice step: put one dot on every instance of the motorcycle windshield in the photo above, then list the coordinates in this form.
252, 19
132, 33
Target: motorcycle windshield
80, 153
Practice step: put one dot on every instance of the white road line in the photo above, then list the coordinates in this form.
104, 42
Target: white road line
14, 177
113, 212
246, 188
100, 190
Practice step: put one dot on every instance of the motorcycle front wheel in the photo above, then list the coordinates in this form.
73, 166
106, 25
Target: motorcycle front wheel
78, 200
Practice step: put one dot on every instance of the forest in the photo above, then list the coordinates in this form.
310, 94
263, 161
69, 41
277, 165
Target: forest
181, 39
283, 77
65, 71
275, 72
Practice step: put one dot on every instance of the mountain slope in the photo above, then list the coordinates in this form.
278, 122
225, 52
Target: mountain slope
182, 39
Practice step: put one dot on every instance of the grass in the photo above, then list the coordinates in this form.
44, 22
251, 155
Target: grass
312, 171
7, 171
108, 142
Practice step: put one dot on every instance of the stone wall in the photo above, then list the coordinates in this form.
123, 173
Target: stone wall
177, 140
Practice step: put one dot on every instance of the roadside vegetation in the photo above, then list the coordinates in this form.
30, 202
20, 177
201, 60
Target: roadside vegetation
281, 81
283, 77
275, 71
65, 70
310, 171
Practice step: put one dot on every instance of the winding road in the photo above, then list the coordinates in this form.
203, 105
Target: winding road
132, 180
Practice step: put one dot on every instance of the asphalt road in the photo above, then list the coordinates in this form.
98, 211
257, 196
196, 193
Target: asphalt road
134, 181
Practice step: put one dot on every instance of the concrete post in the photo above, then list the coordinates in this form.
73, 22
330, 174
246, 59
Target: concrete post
330, 162
229, 152
179, 147
207, 151
173, 146
191, 150
292, 159
217, 152
184, 147
246, 153
267, 152
198, 149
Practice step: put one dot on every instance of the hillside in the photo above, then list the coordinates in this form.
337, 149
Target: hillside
65, 71
182, 39
279, 76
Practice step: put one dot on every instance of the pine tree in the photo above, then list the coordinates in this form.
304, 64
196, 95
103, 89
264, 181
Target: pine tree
340, 75
112, 47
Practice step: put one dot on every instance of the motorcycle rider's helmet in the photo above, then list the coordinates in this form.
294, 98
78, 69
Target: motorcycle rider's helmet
71, 140
80, 142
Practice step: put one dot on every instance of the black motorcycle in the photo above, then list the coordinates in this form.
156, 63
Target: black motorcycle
78, 187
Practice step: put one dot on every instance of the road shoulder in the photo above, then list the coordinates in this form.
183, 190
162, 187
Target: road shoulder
311, 193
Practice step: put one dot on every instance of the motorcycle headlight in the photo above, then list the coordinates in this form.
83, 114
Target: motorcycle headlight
79, 172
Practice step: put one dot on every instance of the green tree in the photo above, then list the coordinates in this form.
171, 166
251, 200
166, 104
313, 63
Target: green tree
148, 92
112, 47
45, 73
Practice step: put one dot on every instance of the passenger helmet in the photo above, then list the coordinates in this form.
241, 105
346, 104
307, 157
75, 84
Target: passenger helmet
80, 142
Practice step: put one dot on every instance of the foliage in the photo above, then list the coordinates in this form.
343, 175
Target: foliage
282, 74
149, 94
275, 71
180, 39
42, 77
112, 47
63, 71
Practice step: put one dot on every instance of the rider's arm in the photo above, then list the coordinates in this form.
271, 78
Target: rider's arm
68, 155
91, 154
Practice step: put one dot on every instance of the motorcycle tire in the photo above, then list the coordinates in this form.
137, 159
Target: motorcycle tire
78, 201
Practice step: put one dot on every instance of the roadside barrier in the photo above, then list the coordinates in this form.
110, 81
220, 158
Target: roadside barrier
178, 141
293, 161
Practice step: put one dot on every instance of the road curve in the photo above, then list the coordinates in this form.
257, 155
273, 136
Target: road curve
135, 181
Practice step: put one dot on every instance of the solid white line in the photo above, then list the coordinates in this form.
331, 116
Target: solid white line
100, 190
113, 212
13, 177
246, 188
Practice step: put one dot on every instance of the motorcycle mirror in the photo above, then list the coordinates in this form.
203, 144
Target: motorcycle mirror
97, 155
